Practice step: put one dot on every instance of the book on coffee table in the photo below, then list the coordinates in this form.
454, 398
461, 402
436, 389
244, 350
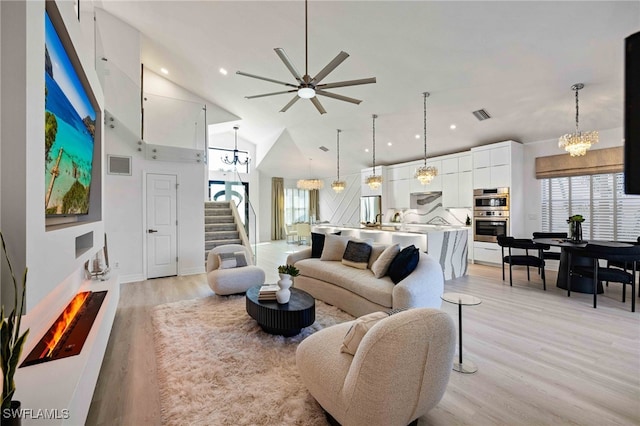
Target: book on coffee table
268, 292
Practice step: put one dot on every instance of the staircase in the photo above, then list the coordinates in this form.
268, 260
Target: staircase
219, 226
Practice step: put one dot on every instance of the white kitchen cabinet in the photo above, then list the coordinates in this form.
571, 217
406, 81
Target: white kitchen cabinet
481, 158
500, 176
400, 172
482, 178
500, 156
493, 165
450, 190
399, 193
465, 163
450, 165
465, 189
487, 252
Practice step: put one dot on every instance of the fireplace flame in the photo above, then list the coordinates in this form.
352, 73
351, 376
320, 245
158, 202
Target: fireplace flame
67, 317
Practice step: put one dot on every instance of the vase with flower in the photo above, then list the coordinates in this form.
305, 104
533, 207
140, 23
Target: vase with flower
286, 273
575, 228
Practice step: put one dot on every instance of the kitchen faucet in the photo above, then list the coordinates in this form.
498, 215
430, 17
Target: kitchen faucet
379, 215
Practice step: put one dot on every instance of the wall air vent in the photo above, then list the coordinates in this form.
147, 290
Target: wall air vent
481, 114
323, 148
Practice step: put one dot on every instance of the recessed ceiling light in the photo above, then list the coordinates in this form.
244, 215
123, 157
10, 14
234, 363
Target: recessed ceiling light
366, 150
389, 144
452, 127
417, 136
223, 71
164, 71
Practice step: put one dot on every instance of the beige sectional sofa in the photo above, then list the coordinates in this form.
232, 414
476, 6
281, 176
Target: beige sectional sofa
359, 292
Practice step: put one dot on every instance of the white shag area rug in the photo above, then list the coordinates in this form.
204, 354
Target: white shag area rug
217, 367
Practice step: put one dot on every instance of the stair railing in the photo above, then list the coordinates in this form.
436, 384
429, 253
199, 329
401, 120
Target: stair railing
242, 231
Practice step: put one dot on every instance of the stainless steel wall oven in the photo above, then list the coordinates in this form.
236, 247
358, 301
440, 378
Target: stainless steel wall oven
491, 214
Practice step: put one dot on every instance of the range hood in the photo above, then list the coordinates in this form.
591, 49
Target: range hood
425, 200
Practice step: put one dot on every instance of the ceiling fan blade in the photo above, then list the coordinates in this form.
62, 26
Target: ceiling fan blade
347, 83
265, 79
339, 97
291, 102
330, 67
270, 94
287, 62
318, 105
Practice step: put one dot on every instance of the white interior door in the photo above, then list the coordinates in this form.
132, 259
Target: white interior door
162, 225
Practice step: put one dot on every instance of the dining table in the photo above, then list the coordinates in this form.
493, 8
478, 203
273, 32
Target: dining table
579, 284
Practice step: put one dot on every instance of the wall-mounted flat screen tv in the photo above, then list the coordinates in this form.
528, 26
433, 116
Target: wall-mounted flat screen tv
70, 126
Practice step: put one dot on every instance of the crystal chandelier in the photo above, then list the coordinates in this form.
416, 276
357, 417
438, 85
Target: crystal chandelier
578, 143
338, 185
425, 174
374, 181
236, 158
310, 184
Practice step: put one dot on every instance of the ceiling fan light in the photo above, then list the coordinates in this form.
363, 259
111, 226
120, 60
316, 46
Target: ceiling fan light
306, 92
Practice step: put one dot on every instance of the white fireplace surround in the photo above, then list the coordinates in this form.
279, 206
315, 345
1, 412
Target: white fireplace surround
65, 385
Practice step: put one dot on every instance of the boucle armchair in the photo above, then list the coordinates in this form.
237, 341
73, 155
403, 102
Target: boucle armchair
399, 371
232, 280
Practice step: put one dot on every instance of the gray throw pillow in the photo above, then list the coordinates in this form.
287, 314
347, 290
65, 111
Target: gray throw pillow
334, 246
381, 265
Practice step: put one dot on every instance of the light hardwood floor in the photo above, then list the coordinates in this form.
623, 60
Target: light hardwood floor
543, 358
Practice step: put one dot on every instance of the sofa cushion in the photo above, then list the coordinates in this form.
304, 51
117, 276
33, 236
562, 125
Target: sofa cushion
227, 260
241, 260
404, 263
376, 251
358, 329
358, 281
334, 246
356, 254
381, 265
317, 243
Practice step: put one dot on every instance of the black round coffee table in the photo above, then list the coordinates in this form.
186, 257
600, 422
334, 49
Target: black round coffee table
284, 319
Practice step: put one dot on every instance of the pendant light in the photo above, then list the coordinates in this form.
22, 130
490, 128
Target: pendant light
374, 181
425, 174
577, 143
310, 184
338, 185
236, 158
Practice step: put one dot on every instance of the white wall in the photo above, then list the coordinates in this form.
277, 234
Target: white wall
49, 253
608, 139
125, 195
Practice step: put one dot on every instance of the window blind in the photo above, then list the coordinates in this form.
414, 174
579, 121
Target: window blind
609, 213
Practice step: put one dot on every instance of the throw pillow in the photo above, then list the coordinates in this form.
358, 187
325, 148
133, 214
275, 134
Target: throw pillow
227, 260
381, 265
241, 260
358, 330
356, 254
376, 251
404, 263
334, 246
317, 243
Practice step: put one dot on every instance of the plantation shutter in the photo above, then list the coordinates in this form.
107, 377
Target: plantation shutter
603, 208
627, 212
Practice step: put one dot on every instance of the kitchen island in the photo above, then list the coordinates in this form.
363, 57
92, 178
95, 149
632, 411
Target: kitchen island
447, 244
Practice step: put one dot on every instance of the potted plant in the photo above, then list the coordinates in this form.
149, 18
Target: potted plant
286, 273
290, 270
575, 227
11, 346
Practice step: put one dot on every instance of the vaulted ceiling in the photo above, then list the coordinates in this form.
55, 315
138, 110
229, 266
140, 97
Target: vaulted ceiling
515, 59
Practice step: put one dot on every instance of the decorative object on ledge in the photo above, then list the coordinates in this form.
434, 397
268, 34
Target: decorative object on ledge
374, 181
577, 143
310, 184
235, 161
338, 185
575, 228
286, 272
425, 174
307, 87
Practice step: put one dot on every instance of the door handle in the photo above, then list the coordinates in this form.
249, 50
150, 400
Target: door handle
151, 231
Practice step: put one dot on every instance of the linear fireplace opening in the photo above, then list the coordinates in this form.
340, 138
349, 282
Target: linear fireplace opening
67, 334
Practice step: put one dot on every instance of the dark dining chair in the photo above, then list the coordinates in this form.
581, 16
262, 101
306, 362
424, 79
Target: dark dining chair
555, 255
630, 255
624, 265
526, 259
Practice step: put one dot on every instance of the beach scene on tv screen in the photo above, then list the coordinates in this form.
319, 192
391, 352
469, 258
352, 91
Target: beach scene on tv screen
70, 122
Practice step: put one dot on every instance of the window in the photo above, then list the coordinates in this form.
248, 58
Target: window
296, 205
217, 154
609, 213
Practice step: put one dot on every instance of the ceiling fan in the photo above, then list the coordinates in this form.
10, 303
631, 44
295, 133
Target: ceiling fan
308, 87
